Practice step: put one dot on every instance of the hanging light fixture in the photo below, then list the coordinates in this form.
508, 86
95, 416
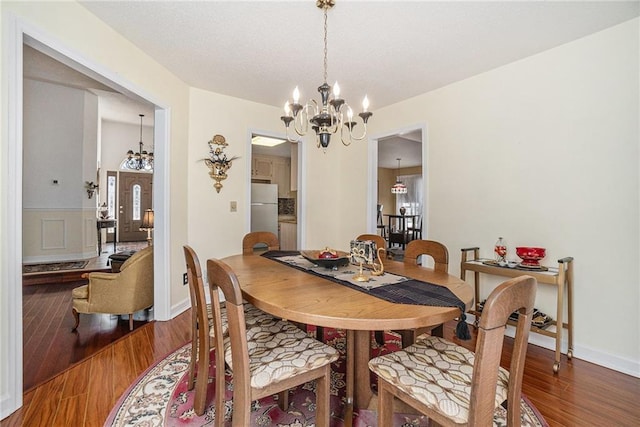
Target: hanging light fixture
141, 160
328, 118
398, 187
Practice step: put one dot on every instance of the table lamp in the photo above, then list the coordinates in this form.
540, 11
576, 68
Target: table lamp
147, 224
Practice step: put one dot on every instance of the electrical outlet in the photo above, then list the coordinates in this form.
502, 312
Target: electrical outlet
234, 206
185, 279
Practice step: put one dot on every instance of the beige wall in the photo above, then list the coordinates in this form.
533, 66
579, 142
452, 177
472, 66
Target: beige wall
545, 152
215, 231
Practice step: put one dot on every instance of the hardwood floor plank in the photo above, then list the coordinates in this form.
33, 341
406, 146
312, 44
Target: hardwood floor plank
45, 403
125, 369
71, 411
77, 382
100, 392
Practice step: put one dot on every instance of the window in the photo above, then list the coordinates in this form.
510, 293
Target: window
137, 191
111, 195
412, 200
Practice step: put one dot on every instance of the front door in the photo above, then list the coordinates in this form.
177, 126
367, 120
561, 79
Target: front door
135, 197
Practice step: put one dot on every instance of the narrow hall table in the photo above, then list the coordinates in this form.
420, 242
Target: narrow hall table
303, 297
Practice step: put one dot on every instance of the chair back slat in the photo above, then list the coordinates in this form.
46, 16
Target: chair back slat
250, 240
435, 250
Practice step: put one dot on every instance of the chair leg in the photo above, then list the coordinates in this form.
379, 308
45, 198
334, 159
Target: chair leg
408, 337
322, 399
131, 321
76, 316
219, 387
385, 403
202, 380
283, 400
379, 337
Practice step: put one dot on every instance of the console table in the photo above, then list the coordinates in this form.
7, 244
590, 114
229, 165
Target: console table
561, 277
107, 223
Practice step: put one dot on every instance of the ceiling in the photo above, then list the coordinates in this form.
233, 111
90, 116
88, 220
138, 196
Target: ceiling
389, 50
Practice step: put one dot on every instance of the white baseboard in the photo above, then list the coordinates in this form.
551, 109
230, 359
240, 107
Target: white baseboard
598, 357
180, 307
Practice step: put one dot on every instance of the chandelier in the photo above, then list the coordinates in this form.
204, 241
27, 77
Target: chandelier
328, 118
399, 187
141, 160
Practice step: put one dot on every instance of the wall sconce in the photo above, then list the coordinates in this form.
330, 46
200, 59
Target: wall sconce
91, 188
218, 162
147, 224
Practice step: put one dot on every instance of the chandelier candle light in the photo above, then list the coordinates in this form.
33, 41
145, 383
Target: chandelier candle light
328, 118
140, 160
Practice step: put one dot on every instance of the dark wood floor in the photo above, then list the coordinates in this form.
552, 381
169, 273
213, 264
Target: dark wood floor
581, 394
49, 346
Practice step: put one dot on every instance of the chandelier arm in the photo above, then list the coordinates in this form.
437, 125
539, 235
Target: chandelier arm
328, 118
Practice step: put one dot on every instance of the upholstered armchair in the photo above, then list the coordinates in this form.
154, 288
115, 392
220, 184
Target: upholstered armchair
125, 292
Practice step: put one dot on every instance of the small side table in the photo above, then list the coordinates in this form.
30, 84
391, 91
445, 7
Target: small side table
107, 223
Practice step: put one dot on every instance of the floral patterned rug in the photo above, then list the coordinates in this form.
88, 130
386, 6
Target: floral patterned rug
159, 397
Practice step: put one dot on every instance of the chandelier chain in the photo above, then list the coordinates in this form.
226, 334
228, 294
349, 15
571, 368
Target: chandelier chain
325, 44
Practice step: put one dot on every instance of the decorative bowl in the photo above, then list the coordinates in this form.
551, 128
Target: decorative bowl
342, 258
530, 256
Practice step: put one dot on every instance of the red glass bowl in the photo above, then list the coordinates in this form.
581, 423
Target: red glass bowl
530, 256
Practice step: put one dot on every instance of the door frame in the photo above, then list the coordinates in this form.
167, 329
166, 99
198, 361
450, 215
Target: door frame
16, 32
372, 174
301, 199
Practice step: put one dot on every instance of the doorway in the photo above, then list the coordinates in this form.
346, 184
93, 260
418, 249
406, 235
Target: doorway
408, 145
135, 196
18, 32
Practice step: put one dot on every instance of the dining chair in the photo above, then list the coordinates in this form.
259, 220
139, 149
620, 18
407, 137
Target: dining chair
378, 240
203, 319
453, 385
415, 229
270, 359
440, 255
204, 339
250, 240
380, 223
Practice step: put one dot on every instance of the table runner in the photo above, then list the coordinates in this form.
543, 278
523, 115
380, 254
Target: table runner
389, 287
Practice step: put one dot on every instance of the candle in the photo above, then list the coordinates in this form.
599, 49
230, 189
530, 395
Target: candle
296, 95
365, 104
336, 90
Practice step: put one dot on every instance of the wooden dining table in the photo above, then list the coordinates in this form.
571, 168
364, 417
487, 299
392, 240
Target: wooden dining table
300, 296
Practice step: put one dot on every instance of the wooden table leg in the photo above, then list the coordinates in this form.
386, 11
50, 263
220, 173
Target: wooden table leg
362, 349
348, 409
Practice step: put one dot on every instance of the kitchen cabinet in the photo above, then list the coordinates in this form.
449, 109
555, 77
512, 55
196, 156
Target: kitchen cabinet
261, 167
282, 176
561, 277
288, 236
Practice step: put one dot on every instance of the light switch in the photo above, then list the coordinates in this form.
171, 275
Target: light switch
234, 206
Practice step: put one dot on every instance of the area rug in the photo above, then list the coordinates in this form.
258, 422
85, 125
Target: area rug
159, 397
53, 266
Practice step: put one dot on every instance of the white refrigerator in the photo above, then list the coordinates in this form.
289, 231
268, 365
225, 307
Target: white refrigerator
264, 207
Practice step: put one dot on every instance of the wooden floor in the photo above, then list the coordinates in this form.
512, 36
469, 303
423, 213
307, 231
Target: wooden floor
581, 394
49, 345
